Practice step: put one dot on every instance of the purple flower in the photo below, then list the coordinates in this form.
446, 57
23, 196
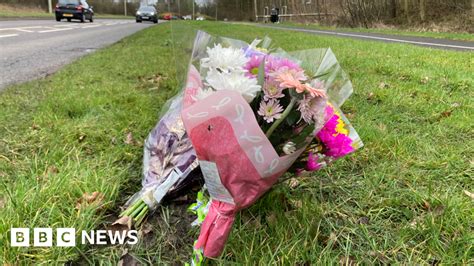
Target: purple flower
270, 110
312, 109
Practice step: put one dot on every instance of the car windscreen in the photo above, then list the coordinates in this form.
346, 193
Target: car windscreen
146, 9
68, 2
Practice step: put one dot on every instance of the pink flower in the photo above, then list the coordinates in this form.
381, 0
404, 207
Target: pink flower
290, 78
270, 110
312, 164
275, 63
312, 109
253, 66
272, 90
337, 145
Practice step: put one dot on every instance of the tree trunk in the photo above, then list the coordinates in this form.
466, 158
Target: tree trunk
472, 9
422, 10
406, 7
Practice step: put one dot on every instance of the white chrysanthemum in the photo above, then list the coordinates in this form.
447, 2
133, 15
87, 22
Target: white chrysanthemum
236, 81
225, 59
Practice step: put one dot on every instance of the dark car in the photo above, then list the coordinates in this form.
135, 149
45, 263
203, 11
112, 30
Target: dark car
147, 13
74, 9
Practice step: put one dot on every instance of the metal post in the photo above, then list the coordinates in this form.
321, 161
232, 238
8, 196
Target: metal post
217, 4
125, 7
194, 17
50, 6
255, 7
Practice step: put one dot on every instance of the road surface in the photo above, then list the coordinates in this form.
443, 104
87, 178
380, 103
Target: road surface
420, 41
32, 49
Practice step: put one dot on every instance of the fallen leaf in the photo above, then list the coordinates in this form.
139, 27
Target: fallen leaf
129, 139
145, 229
297, 203
124, 220
438, 210
347, 261
446, 113
256, 223
426, 205
425, 80
271, 218
370, 96
403, 77
456, 105
381, 257
469, 194
2, 203
52, 170
35, 127
293, 182
417, 220
90, 199
383, 85
119, 229
127, 260
363, 220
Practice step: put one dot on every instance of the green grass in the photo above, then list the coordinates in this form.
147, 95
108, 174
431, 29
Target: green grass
404, 32
399, 200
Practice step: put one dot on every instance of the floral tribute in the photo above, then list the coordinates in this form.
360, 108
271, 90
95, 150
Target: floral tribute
256, 114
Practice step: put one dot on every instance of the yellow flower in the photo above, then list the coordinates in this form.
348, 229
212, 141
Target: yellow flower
340, 128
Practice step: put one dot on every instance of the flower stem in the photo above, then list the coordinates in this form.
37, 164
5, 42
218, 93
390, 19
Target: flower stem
283, 116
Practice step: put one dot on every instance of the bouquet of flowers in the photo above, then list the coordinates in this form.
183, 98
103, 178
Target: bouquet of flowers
170, 165
257, 114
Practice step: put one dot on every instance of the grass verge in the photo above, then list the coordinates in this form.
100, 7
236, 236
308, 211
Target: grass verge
392, 31
399, 200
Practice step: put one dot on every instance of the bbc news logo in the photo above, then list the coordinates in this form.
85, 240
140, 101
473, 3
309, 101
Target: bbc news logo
66, 237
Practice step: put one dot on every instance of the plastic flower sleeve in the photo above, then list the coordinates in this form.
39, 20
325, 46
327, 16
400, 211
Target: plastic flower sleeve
322, 64
170, 165
238, 162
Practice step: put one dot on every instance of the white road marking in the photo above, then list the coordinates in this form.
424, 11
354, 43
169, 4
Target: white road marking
378, 38
53, 30
68, 25
92, 26
22, 28
8, 35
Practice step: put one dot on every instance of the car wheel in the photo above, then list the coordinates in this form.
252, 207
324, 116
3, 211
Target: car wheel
139, 21
91, 19
155, 21
58, 19
68, 20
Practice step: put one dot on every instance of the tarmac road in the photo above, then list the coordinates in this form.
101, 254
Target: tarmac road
32, 49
